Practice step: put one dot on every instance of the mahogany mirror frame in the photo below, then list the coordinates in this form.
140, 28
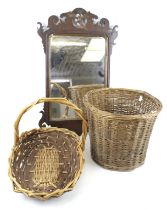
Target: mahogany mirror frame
78, 22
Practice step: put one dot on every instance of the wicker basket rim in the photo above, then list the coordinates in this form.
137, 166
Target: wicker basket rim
52, 129
85, 86
59, 191
111, 115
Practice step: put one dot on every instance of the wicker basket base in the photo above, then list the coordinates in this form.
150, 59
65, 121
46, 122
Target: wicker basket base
115, 168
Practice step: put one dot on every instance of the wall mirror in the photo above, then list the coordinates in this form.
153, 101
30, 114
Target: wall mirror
78, 46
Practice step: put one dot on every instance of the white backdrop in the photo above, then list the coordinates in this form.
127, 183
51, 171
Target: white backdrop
138, 61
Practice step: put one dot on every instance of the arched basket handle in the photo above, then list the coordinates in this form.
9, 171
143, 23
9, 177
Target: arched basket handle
52, 100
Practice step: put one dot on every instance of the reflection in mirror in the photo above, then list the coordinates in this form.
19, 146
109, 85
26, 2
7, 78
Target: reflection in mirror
73, 60
59, 88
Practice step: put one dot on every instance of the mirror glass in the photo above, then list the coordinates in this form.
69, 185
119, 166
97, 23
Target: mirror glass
73, 60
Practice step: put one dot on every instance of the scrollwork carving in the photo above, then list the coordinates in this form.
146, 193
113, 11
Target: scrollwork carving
114, 34
42, 121
78, 21
41, 31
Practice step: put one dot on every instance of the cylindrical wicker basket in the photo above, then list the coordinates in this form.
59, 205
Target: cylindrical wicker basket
120, 124
46, 162
77, 93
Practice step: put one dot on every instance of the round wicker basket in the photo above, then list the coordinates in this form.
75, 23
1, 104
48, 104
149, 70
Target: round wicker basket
77, 93
47, 162
120, 124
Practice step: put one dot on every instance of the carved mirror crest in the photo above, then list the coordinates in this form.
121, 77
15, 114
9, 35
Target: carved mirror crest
78, 46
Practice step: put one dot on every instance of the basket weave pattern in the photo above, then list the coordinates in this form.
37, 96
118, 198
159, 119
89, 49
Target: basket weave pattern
120, 124
77, 93
46, 162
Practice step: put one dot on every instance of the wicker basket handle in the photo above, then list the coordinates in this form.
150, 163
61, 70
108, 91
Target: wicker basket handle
53, 100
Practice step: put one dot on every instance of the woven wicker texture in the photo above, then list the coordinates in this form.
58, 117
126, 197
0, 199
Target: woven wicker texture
120, 124
46, 162
77, 93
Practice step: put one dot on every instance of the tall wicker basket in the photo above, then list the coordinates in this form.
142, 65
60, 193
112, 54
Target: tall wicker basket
77, 93
46, 162
120, 124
